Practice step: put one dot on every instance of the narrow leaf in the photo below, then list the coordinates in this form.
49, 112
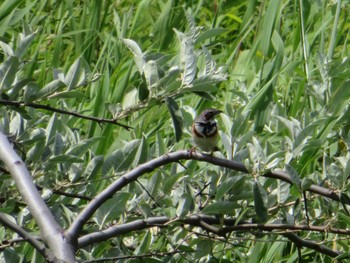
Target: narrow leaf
176, 117
93, 167
136, 50
49, 89
221, 207
23, 43
294, 176
77, 74
260, 202
187, 58
8, 70
151, 74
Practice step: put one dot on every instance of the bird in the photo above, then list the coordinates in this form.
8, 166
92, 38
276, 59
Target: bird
205, 131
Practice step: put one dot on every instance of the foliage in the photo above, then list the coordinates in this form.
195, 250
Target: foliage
76, 75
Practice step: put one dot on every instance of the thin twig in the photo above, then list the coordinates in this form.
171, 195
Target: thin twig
71, 113
299, 242
160, 254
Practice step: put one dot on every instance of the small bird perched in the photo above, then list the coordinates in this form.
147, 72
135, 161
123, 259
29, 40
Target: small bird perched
205, 130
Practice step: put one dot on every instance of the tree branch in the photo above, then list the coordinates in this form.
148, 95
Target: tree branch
27, 237
77, 225
207, 223
51, 232
75, 114
154, 254
311, 244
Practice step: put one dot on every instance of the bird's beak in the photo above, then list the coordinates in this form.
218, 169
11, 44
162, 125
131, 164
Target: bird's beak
217, 112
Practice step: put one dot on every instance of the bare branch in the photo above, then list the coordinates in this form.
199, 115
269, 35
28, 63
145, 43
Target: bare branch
27, 237
160, 254
50, 230
75, 114
299, 242
210, 224
149, 166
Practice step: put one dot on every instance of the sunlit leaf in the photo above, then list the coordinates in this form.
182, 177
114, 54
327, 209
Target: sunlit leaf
24, 42
187, 58
136, 50
8, 70
77, 74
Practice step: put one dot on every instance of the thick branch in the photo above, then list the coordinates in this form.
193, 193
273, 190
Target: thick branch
124, 180
28, 237
75, 114
211, 224
50, 230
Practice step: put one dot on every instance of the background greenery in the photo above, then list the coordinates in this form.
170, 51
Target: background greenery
278, 69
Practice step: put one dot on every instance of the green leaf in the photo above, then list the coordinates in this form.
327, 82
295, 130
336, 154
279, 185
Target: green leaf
203, 248
225, 187
210, 64
283, 189
82, 147
49, 89
172, 180
65, 158
8, 71
187, 58
176, 116
344, 199
185, 205
24, 42
136, 50
7, 50
151, 74
67, 94
170, 77
77, 74
268, 22
160, 148
30, 91
93, 167
112, 208
306, 183
121, 159
260, 202
58, 145
343, 256
36, 152
7, 7
142, 153
221, 208
145, 244
294, 176
51, 128
210, 33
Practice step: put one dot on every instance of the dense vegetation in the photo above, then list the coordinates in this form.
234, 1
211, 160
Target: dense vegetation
97, 99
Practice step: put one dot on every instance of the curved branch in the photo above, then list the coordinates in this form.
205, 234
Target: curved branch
207, 223
51, 231
77, 225
75, 114
27, 237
